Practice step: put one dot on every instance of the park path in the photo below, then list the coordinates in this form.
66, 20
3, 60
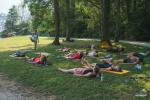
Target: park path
146, 44
10, 90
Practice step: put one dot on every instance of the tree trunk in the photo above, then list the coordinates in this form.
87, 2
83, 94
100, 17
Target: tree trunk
57, 22
117, 5
128, 9
72, 18
68, 20
106, 22
72, 9
134, 5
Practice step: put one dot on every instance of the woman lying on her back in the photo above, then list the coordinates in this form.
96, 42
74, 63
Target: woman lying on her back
83, 72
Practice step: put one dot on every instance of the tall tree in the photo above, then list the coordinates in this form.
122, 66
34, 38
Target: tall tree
128, 8
41, 12
57, 22
11, 20
117, 11
68, 21
106, 22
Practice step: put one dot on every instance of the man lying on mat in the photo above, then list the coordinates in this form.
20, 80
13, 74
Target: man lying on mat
108, 65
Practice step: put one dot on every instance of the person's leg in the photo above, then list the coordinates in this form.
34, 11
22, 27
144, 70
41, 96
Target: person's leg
85, 63
119, 61
35, 45
66, 70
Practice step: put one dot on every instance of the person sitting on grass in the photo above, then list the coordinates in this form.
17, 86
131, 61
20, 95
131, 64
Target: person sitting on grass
42, 59
82, 72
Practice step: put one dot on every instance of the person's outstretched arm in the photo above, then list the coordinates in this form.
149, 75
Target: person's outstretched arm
66, 70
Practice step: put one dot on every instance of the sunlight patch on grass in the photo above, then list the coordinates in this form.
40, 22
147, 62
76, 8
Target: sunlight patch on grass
20, 42
147, 86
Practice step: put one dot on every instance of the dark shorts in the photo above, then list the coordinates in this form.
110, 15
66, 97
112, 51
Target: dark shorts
87, 71
127, 60
105, 65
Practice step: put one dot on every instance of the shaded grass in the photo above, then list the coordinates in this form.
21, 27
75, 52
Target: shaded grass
49, 80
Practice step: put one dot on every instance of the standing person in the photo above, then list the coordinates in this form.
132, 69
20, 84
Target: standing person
35, 39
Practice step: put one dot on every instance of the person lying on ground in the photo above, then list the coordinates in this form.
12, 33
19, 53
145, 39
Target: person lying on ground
131, 58
92, 53
108, 65
140, 54
76, 55
42, 59
115, 49
20, 53
63, 49
135, 57
82, 72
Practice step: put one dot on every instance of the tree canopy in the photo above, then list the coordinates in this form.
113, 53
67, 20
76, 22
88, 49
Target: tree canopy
103, 19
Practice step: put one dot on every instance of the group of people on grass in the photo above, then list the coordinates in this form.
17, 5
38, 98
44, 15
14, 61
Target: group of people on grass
93, 70
87, 69
42, 59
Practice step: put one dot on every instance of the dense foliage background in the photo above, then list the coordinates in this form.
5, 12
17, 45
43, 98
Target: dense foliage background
103, 19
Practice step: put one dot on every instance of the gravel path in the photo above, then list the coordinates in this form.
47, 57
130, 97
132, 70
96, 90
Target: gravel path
10, 90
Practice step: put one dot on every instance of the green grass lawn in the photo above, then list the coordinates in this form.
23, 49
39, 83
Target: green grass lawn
50, 81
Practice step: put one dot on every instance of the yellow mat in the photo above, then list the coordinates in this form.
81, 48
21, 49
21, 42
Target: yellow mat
115, 72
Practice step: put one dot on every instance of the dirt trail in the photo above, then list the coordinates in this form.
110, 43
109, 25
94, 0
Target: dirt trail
10, 90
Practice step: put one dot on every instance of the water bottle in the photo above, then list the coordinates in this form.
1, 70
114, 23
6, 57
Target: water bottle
144, 92
102, 77
138, 67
